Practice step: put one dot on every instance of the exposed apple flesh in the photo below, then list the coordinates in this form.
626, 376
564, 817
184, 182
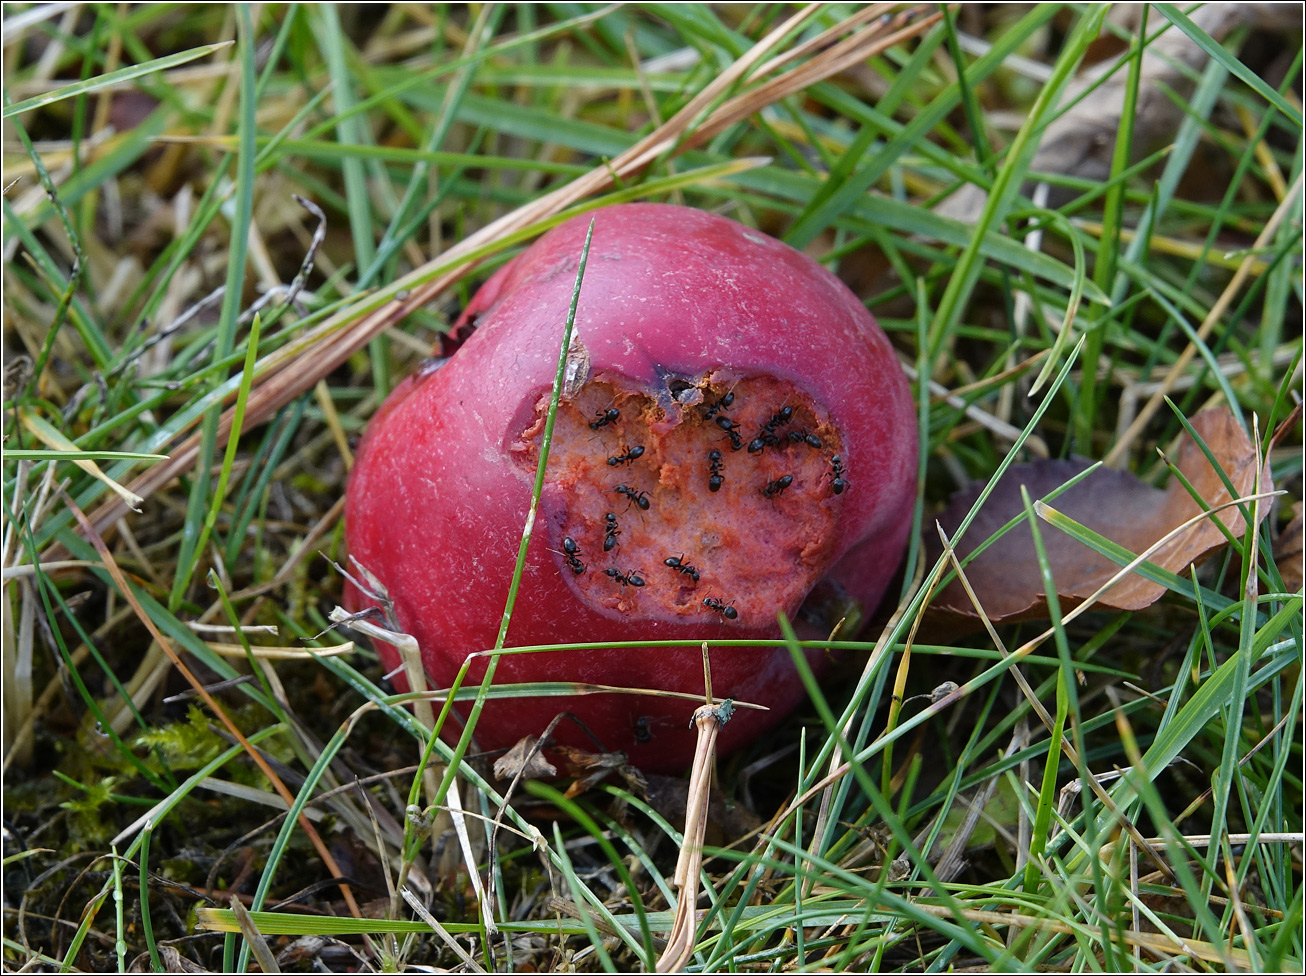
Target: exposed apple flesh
691, 515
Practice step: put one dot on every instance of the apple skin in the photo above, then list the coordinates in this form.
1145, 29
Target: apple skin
439, 492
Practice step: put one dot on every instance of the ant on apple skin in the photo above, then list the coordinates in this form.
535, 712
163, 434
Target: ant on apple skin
630, 455
642, 732
631, 578
639, 498
714, 464
840, 482
778, 486
725, 609
680, 566
605, 417
571, 553
805, 436
610, 532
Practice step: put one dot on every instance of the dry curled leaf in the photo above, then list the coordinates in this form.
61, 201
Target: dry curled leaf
591, 768
1115, 504
525, 759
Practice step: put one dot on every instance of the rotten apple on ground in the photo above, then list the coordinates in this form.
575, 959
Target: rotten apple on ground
740, 442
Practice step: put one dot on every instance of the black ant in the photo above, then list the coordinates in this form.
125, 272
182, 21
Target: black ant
642, 732
625, 579
611, 532
732, 431
840, 482
631, 454
714, 463
722, 404
605, 417
639, 498
766, 437
780, 419
725, 609
778, 486
801, 436
680, 566
571, 553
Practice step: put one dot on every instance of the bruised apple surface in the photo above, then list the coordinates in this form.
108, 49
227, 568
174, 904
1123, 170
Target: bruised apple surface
739, 442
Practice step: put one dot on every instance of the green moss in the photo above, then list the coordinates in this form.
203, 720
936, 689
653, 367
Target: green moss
183, 745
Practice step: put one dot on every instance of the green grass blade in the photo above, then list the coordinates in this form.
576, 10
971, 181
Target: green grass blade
1235, 67
112, 78
1007, 182
195, 534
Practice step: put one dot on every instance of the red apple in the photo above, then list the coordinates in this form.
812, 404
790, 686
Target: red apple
742, 442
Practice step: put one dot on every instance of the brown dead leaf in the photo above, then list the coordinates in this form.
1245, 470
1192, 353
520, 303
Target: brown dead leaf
591, 768
1288, 550
524, 759
1115, 504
